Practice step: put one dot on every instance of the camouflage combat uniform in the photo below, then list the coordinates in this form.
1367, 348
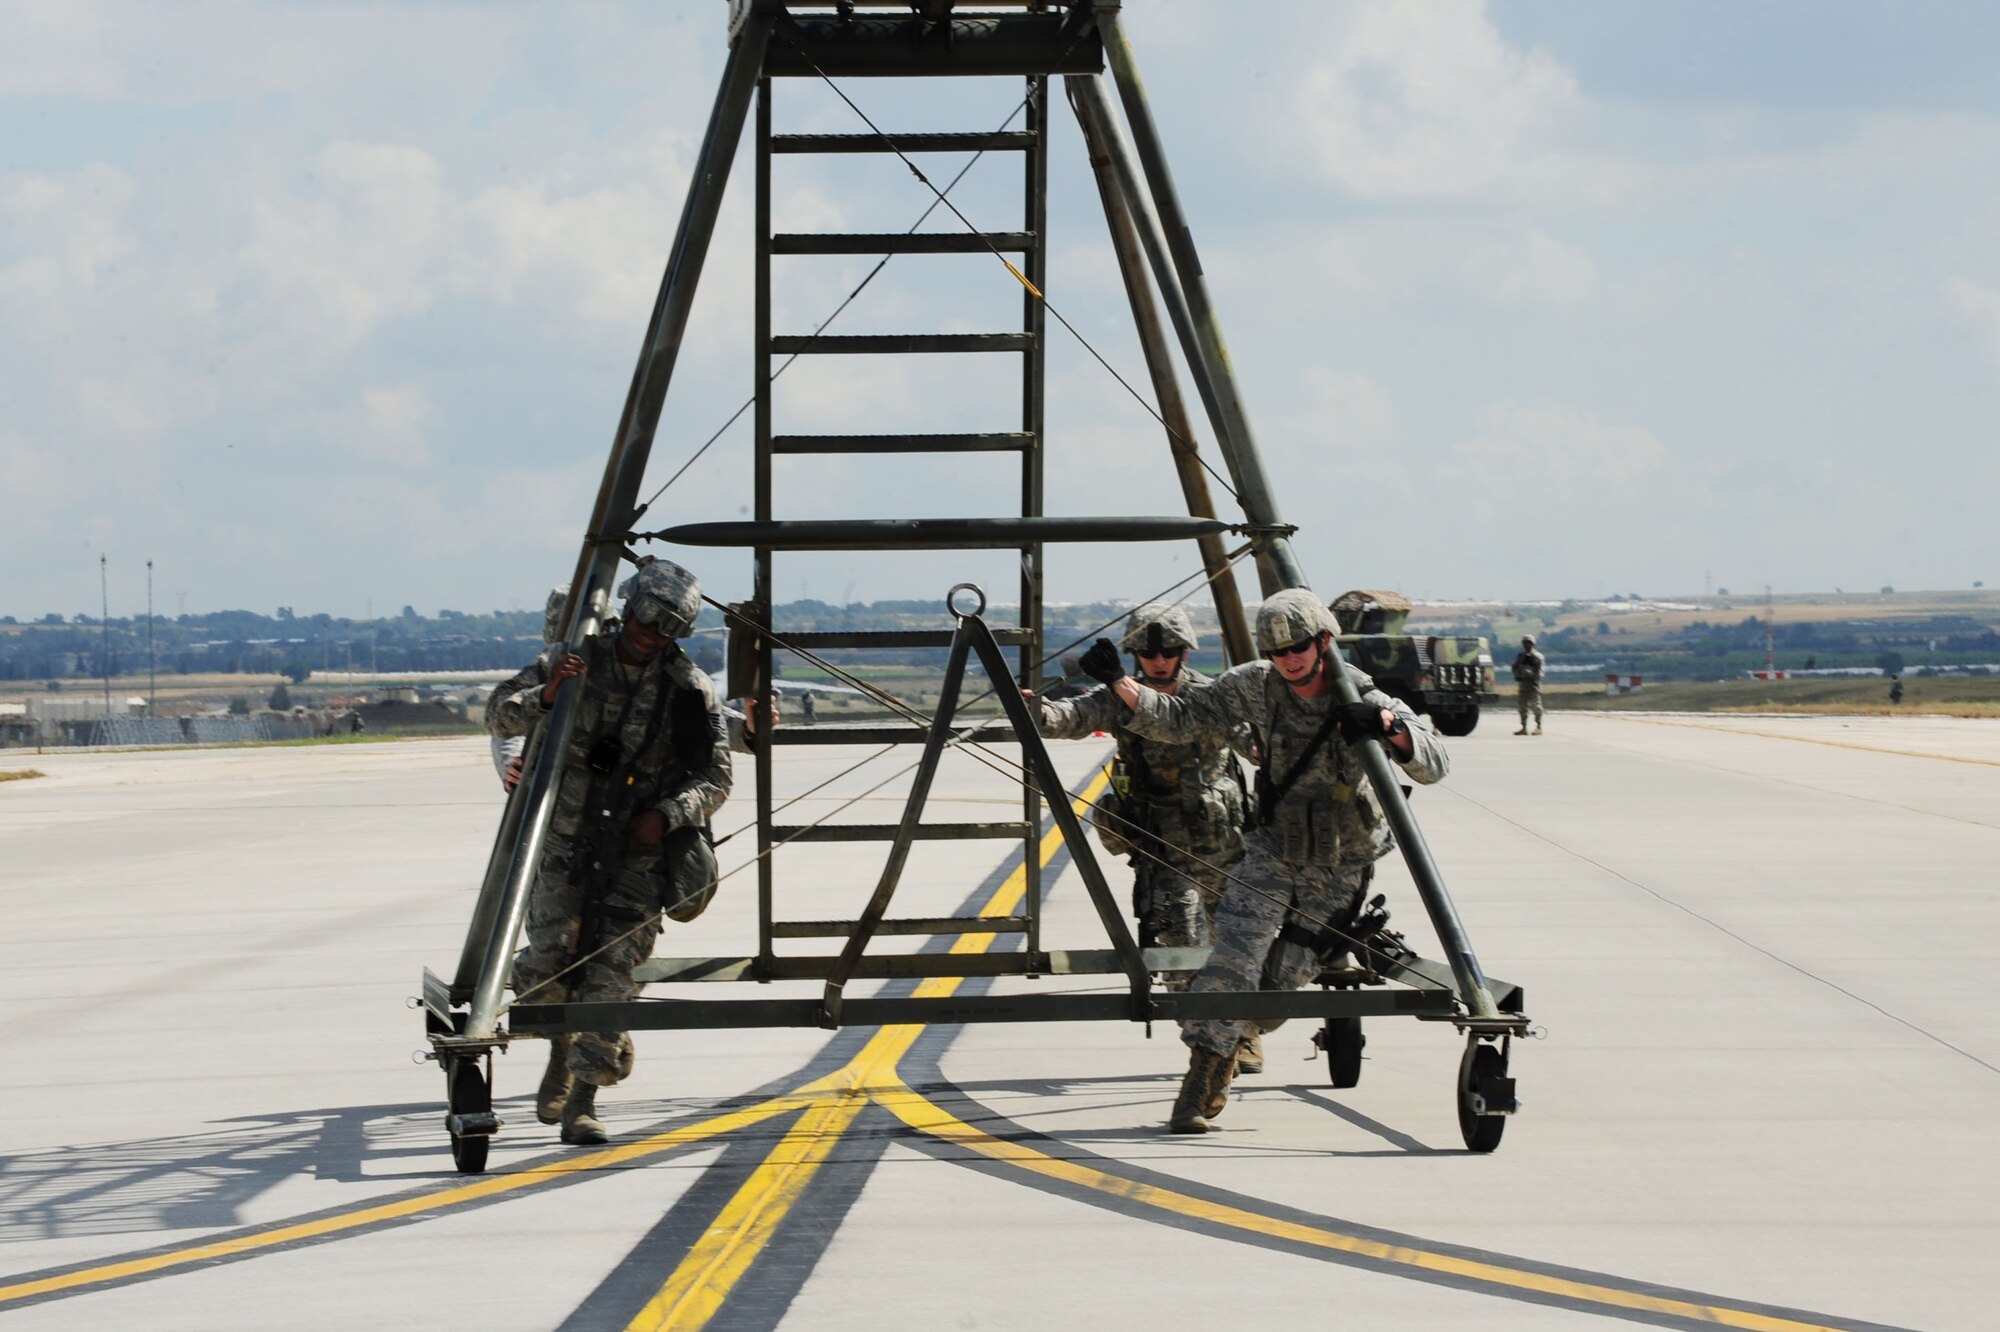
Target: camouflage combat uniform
508, 748
1529, 667
1187, 802
673, 756
1304, 869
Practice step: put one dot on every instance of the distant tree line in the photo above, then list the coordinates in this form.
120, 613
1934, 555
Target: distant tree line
246, 642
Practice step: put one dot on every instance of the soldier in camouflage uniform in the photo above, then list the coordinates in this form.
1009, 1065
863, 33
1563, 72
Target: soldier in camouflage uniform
647, 765
508, 751
1529, 667
1319, 827
1178, 809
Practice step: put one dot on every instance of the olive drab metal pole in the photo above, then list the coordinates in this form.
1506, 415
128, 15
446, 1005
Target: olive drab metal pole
1236, 641
617, 509
1277, 565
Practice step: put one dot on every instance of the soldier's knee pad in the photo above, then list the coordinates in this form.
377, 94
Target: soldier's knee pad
688, 874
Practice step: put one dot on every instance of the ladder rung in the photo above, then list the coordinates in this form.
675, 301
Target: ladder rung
909, 143
1080, 962
899, 343
879, 966
936, 533
890, 638
902, 242
886, 832
840, 929
966, 45
1014, 441
902, 733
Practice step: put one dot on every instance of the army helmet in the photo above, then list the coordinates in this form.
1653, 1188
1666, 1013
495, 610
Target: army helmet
663, 595
1527, 640
1291, 616
1160, 626
552, 613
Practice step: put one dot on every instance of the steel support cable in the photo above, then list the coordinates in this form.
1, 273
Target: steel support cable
821, 327
1019, 773
1014, 771
997, 762
1093, 816
910, 714
1008, 264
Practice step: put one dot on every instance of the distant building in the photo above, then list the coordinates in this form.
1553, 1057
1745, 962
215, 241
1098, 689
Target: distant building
1623, 684
72, 709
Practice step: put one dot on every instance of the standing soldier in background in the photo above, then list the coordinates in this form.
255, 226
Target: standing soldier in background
646, 766
1319, 829
507, 750
1529, 667
1175, 810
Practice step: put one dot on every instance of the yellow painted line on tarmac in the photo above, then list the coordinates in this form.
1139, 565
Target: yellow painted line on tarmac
485, 1187
694, 1292
1804, 740
926, 1117
718, 1260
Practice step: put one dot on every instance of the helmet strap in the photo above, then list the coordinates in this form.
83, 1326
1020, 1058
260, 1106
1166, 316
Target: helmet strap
1319, 663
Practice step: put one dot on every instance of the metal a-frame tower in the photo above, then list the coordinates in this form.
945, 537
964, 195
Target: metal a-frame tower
1034, 40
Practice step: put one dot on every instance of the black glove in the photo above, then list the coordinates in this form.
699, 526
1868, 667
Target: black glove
1358, 721
1102, 663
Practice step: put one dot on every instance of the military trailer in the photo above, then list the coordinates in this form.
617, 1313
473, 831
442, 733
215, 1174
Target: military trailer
1445, 677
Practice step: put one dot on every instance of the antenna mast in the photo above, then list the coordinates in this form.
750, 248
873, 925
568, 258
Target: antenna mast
1770, 635
152, 662
104, 624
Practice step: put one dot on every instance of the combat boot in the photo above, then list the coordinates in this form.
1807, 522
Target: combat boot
1204, 1091
1221, 1072
550, 1095
580, 1124
1250, 1053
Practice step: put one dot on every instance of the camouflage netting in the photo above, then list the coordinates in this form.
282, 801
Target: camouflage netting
1349, 607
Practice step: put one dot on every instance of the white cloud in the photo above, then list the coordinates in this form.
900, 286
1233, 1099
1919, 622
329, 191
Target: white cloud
1553, 462
1980, 305
398, 422
1532, 269
62, 233
1427, 100
57, 50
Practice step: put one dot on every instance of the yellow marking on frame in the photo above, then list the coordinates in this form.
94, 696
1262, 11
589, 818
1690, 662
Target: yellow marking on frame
1021, 278
926, 1117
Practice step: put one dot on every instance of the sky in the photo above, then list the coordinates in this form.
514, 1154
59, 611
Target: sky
335, 306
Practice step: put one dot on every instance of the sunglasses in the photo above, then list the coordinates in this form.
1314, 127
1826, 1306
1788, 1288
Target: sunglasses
1292, 649
1145, 655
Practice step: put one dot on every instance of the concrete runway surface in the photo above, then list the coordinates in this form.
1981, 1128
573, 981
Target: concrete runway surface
1760, 947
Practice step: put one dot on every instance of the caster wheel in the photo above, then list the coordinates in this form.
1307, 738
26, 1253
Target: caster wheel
469, 1105
1343, 1041
1482, 1077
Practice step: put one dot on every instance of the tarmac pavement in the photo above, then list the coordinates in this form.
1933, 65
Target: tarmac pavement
1759, 947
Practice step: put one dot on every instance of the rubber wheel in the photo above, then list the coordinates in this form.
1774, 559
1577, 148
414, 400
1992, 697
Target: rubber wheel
1457, 721
466, 1093
1343, 1040
1481, 1132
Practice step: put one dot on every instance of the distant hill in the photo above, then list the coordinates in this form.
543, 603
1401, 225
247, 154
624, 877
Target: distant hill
1688, 638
